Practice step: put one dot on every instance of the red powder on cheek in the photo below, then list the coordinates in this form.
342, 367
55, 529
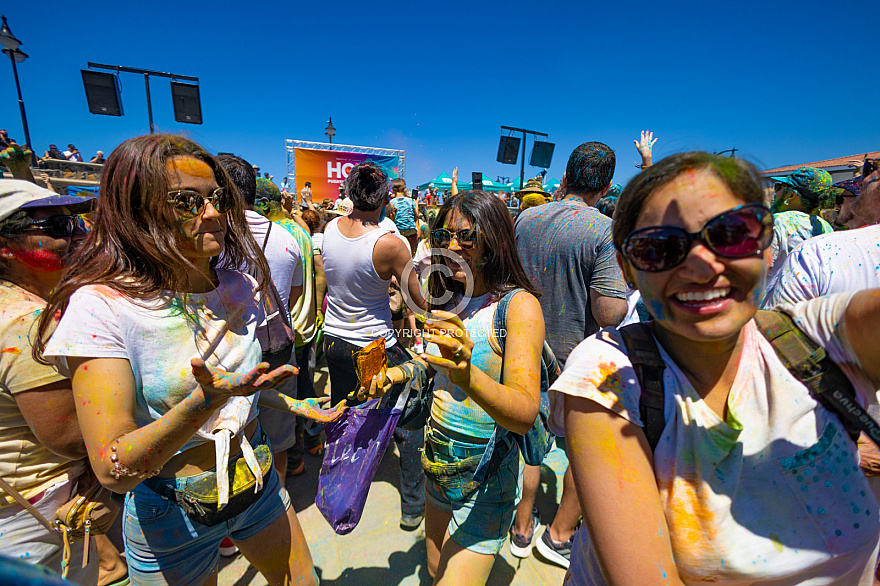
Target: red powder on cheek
40, 260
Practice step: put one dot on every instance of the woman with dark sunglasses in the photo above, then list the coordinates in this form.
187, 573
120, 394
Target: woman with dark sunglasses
751, 481
159, 335
42, 454
476, 389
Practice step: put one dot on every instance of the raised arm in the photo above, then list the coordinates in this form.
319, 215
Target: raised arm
513, 405
618, 494
645, 146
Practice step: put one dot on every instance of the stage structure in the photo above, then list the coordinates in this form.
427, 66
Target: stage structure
327, 165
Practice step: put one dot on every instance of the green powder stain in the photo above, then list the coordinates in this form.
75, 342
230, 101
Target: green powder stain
777, 543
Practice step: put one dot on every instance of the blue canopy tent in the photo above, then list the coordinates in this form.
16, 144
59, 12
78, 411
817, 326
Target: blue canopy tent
441, 182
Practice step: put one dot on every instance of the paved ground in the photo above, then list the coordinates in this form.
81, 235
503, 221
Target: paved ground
378, 552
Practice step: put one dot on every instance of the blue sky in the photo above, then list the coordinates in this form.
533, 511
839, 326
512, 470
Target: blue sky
784, 81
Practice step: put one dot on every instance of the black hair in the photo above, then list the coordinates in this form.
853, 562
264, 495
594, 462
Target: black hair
740, 176
367, 186
590, 168
607, 205
242, 174
502, 269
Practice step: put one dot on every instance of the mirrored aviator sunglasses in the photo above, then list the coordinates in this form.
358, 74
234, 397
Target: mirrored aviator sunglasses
738, 233
192, 203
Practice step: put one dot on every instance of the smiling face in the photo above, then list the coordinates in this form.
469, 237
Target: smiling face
707, 297
200, 237
455, 222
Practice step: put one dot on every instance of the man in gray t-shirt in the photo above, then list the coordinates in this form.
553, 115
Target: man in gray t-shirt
568, 254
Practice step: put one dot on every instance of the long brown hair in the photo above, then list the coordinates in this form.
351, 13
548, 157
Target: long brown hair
501, 267
132, 246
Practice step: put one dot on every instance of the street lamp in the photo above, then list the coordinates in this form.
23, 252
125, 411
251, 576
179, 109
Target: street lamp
330, 131
10, 47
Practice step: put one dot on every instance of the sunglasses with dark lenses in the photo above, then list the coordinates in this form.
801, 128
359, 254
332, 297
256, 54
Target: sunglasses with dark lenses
55, 226
869, 166
192, 203
738, 233
465, 238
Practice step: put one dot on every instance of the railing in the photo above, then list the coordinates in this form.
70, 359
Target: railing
73, 170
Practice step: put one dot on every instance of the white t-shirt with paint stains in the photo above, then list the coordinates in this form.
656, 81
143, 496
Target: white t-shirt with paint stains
771, 495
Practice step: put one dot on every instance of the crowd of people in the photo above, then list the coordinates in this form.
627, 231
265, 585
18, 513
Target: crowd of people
138, 354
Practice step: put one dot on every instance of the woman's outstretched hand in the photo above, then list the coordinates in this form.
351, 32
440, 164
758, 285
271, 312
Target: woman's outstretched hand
220, 384
380, 384
314, 409
451, 336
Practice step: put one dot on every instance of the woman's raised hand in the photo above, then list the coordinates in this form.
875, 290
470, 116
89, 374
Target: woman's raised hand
220, 384
451, 336
645, 146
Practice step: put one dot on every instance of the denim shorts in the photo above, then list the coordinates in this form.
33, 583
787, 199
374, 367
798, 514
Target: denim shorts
164, 546
480, 522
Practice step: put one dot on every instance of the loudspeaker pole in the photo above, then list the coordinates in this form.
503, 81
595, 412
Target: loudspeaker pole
522, 168
149, 101
146, 73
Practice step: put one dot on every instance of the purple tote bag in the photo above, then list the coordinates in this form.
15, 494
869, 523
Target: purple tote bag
355, 445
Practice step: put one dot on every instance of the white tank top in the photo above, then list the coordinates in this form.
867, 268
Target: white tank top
358, 308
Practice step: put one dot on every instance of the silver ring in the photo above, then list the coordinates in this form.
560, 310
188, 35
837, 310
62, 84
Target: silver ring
459, 352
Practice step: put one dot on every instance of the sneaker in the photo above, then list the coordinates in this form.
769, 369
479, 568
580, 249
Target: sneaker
411, 522
521, 545
296, 470
227, 548
557, 553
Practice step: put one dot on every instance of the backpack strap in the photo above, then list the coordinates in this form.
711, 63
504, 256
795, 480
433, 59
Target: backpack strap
810, 363
649, 367
499, 322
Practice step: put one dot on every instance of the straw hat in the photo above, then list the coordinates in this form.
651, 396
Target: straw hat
343, 207
532, 186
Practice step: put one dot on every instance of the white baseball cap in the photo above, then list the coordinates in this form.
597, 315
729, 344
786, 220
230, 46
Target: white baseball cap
17, 194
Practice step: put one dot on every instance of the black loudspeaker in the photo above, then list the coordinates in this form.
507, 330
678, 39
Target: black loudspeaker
187, 105
102, 93
542, 154
508, 150
477, 180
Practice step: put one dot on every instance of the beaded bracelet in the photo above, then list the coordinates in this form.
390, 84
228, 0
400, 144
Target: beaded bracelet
120, 470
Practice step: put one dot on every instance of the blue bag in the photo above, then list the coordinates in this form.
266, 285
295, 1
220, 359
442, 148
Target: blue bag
538, 441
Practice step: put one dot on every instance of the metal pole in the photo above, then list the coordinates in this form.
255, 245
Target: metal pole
522, 166
149, 103
27, 134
